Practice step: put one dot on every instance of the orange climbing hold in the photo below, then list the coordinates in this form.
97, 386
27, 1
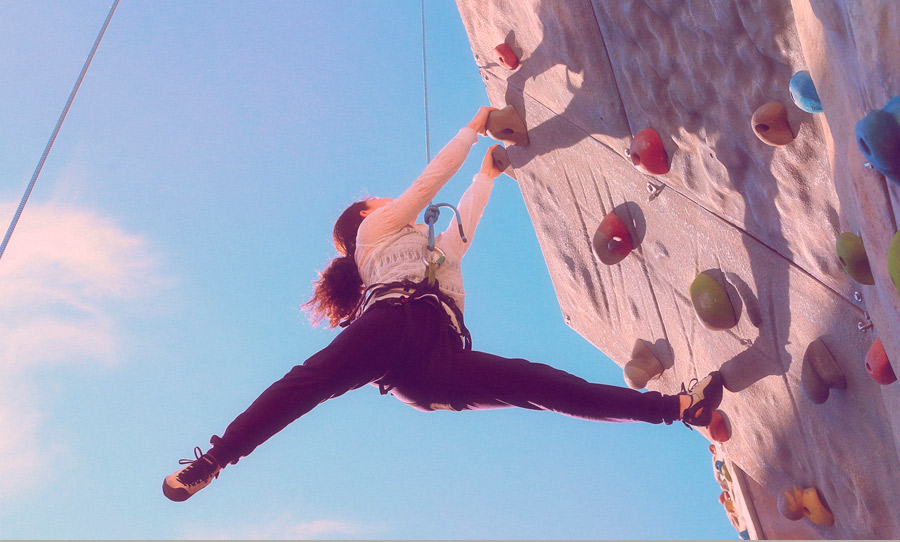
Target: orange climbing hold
506, 57
771, 126
877, 364
648, 153
612, 240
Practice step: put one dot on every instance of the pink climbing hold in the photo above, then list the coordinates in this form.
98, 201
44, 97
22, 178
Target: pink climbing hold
648, 153
506, 57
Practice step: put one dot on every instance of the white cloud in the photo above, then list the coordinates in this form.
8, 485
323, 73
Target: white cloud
283, 528
64, 274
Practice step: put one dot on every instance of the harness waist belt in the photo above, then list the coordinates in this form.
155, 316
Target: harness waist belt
406, 294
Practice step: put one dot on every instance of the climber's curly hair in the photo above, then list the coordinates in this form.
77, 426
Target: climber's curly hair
339, 287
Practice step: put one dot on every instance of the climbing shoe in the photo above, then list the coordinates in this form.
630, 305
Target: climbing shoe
705, 398
195, 476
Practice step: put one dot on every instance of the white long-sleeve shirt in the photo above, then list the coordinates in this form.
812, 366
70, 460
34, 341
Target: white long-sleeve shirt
389, 248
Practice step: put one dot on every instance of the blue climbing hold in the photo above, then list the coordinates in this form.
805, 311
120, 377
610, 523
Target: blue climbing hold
803, 91
878, 136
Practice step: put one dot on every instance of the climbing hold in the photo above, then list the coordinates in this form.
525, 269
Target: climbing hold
803, 91
790, 503
643, 367
506, 57
894, 261
771, 126
852, 255
726, 501
719, 427
501, 161
878, 136
820, 372
799, 503
648, 153
711, 303
506, 125
612, 240
877, 364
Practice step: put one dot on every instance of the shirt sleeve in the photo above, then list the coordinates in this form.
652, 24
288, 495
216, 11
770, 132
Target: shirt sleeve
471, 207
391, 218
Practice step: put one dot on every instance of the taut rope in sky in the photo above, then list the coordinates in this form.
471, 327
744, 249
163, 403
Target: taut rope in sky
62, 117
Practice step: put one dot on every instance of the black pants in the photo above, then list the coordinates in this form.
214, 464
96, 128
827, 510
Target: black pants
409, 349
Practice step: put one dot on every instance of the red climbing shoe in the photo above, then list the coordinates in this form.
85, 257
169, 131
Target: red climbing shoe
705, 398
191, 479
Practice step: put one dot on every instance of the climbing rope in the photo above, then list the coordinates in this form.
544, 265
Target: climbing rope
425, 84
62, 117
433, 256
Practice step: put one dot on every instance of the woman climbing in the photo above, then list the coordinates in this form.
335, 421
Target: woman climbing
405, 332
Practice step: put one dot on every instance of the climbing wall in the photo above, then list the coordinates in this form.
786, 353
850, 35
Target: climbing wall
761, 220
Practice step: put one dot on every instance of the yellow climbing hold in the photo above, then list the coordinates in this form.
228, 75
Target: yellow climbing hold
806, 503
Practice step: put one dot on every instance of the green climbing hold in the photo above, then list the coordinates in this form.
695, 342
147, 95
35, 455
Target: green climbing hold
852, 255
894, 261
712, 304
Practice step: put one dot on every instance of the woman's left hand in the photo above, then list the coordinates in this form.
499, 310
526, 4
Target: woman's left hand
480, 120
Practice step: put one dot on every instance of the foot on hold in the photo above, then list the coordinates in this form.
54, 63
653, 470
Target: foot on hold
198, 474
705, 398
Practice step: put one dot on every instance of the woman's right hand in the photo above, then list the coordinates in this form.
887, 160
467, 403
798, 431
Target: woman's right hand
488, 167
480, 120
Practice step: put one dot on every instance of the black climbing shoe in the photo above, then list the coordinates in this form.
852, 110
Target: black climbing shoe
705, 398
191, 479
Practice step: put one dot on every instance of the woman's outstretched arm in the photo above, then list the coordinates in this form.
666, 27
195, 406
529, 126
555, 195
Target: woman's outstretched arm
471, 205
404, 210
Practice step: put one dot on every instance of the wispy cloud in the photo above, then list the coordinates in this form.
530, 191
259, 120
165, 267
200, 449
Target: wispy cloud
284, 527
64, 275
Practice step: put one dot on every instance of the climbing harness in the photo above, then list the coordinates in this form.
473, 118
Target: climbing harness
62, 117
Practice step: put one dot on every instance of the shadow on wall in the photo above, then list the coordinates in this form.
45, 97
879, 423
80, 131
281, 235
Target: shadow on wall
560, 45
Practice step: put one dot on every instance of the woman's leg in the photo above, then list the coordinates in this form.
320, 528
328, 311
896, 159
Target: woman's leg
359, 355
482, 381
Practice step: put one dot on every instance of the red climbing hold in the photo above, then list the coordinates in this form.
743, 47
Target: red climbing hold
612, 240
719, 427
877, 364
648, 153
506, 57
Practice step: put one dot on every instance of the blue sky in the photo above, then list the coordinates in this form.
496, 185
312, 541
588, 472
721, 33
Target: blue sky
153, 289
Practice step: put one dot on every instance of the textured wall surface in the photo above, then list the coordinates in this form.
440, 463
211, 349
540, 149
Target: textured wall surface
762, 219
